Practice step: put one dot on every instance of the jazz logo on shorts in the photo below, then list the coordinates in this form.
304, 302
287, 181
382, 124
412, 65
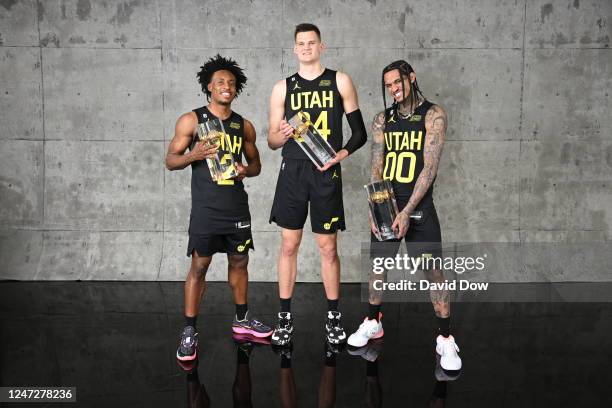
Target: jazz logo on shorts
243, 247
328, 225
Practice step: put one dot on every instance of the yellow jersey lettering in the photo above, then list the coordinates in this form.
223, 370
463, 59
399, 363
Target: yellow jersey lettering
404, 145
296, 101
328, 99
416, 140
310, 100
316, 100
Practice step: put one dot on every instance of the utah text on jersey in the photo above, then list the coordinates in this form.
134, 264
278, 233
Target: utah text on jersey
401, 147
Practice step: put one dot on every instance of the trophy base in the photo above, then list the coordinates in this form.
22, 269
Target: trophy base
386, 234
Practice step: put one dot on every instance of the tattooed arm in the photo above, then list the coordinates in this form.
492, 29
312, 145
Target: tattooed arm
435, 132
378, 157
378, 146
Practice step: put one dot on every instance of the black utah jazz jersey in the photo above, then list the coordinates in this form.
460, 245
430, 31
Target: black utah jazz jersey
319, 99
404, 146
219, 207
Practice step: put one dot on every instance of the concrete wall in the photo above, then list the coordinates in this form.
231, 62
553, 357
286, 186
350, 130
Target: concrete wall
90, 92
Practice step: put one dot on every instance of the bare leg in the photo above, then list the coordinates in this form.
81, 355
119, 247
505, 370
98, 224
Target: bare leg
287, 261
195, 284
330, 264
241, 389
440, 299
238, 277
375, 295
286, 385
327, 388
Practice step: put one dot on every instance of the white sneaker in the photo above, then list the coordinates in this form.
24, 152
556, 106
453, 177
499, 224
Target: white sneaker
447, 349
368, 352
443, 375
368, 330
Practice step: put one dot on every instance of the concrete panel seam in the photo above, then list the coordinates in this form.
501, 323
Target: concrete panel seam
568, 48
521, 120
103, 48
522, 74
42, 96
53, 139
50, 229
19, 46
161, 258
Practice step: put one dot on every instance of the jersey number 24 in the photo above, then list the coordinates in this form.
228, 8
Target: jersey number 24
320, 124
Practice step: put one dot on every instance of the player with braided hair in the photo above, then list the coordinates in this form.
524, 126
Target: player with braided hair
407, 140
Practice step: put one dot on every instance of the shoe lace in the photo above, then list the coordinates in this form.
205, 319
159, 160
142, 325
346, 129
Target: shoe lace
188, 338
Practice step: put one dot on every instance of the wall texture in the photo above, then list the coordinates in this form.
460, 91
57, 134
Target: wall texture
90, 91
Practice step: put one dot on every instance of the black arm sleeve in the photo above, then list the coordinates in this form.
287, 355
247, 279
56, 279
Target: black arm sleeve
358, 131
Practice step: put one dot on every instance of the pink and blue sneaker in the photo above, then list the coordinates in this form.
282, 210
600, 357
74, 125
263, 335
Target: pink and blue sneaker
252, 326
188, 347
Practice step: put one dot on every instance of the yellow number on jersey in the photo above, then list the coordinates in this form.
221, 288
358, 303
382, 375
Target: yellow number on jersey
227, 157
321, 124
394, 165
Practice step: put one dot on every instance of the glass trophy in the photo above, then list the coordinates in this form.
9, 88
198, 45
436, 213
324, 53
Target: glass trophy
383, 208
222, 166
310, 140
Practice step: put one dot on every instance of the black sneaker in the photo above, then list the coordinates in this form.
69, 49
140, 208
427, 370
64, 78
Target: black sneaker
334, 329
283, 330
187, 349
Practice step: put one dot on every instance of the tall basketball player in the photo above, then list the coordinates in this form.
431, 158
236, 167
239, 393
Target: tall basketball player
325, 95
220, 220
406, 149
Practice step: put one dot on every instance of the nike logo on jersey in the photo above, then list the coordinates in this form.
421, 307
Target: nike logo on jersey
243, 224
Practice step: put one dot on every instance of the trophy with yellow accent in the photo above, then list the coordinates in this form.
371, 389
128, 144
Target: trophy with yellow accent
222, 166
310, 140
383, 208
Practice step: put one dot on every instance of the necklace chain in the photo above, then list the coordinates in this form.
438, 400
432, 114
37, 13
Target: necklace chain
402, 116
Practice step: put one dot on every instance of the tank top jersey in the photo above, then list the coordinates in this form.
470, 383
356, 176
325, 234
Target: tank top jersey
219, 207
404, 147
321, 100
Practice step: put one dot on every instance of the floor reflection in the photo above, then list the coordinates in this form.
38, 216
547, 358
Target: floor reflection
116, 342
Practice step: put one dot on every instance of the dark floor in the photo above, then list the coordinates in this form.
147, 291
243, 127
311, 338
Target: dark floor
115, 341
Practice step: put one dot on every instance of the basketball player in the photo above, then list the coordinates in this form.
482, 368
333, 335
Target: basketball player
324, 95
406, 148
220, 220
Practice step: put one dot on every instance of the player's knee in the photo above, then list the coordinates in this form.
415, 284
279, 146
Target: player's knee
328, 251
198, 269
199, 265
238, 262
289, 248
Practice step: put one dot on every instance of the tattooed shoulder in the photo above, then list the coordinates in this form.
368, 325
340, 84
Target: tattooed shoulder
435, 118
378, 126
379, 120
